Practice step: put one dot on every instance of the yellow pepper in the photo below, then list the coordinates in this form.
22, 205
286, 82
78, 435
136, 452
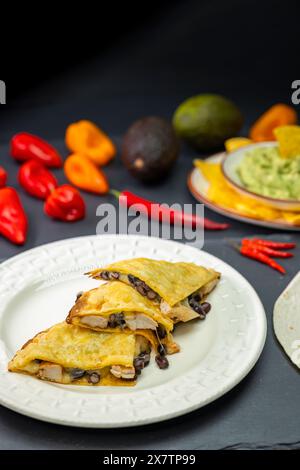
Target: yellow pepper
85, 138
225, 196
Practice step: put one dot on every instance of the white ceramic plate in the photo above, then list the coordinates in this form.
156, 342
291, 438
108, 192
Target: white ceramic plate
230, 163
198, 186
39, 286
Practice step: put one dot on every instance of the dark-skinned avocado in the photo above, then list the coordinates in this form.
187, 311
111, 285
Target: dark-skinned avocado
206, 121
150, 148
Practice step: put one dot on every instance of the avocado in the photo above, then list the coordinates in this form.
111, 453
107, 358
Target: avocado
206, 121
150, 148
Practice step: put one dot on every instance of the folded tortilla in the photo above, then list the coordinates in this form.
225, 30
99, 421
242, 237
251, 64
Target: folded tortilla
68, 354
115, 307
170, 284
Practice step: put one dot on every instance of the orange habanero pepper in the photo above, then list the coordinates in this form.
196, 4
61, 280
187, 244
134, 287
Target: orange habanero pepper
277, 115
84, 174
86, 138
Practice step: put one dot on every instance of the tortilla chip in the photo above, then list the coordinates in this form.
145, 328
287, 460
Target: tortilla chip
288, 138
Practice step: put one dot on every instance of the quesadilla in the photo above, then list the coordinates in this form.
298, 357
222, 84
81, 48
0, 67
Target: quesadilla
67, 354
177, 289
115, 307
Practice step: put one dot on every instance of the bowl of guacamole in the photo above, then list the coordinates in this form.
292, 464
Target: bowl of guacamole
260, 172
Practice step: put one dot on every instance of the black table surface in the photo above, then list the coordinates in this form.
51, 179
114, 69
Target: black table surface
262, 411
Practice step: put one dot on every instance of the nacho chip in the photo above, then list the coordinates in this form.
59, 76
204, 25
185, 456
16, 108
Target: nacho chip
288, 138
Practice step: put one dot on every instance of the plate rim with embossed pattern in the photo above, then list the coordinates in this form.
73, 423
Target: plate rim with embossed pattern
242, 339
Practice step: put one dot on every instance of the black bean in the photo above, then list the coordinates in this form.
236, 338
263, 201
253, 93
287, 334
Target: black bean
161, 332
206, 306
146, 358
138, 364
114, 275
93, 377
131, 279
193, 303
77, 373
119, 319
197, 297
112, 321
147, 288
162, 361
141, 290
105, 275
151, 294
200, 312
78, 295
197, 307
161, 350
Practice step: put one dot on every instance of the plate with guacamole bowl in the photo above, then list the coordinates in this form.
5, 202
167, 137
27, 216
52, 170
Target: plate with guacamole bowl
259, 172
208, 185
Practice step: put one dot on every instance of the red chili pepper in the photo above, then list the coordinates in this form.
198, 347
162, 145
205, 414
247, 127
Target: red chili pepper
24, 146
251, 252
13, 220
3, 177
269, 243
36, 179
175, 216
268, 251
65, 203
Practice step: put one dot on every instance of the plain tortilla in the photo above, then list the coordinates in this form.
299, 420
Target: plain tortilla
286, 320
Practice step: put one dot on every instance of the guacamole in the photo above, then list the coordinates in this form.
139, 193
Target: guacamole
264, 172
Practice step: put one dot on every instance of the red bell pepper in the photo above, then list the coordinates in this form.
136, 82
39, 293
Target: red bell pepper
3, 177
13, 220
65, 203
25, 146
36, 179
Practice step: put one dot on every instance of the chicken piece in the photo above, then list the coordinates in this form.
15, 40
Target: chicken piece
94, 321
51, 372
123, 372
141, 322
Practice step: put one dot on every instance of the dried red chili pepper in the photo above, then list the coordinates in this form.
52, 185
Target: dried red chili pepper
36, 179
253, 253
65, 203
13, 220
25, 146
3, 177
269, 243
175, 217
268, 251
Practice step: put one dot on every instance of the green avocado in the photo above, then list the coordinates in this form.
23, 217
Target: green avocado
206, 121
150, 148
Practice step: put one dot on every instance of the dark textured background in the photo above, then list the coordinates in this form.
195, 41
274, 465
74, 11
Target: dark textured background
116, 64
